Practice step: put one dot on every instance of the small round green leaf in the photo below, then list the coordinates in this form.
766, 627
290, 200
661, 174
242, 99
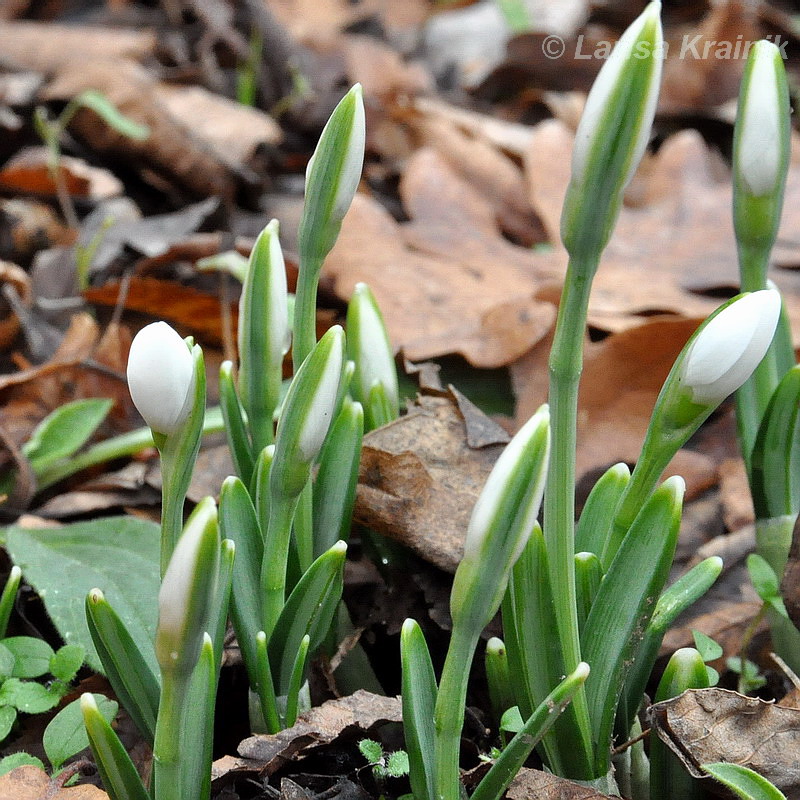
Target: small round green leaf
28, 696
31, 656
8, 715
66, 661
19, 760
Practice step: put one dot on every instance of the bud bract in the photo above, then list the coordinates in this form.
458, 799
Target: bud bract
730, 346
369, 348
613, 133
502, 521
307, 414
187, 590
161, 377
332, 176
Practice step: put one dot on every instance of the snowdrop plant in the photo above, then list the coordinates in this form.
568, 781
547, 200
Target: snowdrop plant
173, 704
767, 404
167, 382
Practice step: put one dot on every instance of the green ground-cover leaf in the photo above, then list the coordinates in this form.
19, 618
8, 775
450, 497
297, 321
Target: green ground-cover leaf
119, 555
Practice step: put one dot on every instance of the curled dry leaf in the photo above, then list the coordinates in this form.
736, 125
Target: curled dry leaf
419, 478
171, 150
32, 783
702, 726
360, 711
45, 47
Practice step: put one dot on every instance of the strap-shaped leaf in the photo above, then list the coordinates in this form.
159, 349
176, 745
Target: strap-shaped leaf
296, 682
497, 779
743, 781
237, 521
775, 465
624, 604
335, 484
134, 683
235, 425
264, 685
308, 611
596, 522
673, 601
588, 574
120, 778
419, 701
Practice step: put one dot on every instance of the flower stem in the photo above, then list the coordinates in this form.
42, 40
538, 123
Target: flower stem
276, 556
449, 713
305, 311
566, 363
167, 745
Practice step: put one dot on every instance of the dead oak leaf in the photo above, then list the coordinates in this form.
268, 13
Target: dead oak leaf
447, 282
674, 244
32, 783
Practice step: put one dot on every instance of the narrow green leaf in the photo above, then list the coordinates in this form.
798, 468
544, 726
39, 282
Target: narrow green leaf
308, 611
120, 778
335, 484
775, 481
596, 522
588, 575
296, 682
763, 577
497, 779
419, 701
8, 597
743, 781
64, 431
237, 521
265, 686
111, 115
65, 734
235, 425
134, 681
501, 693
624, 604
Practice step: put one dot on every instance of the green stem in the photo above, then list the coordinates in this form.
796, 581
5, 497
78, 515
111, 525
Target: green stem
127, 444
304, 527
276, 556
172, 503
167, 745
566, 363
449, 713
305, 312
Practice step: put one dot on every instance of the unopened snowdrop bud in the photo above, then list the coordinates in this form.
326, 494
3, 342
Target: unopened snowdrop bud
161, 377
369, 348
332, 177
501, 523
761, 146
730, 346
264, 333
613, 134
187, 590
308, 411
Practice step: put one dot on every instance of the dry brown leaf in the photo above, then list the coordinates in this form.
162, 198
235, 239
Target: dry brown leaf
703, 726
45, 47
447, 282
29, 226
734, 491
622, 377
322, 725
675, 244
28, 172
419, 479
234, 132
532, 784
171, 150
32, 783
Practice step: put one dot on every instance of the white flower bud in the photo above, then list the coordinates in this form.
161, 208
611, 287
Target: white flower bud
161, 377
760, 150
369, 348
642, 40
187, 590
732, 344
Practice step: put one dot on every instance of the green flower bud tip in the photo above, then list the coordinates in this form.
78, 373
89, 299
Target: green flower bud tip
319, 413
276, 315
532, 441
762, 144
730, 346
349, 114
642, 40
161, 377
369, 346
88, 704
187, 590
